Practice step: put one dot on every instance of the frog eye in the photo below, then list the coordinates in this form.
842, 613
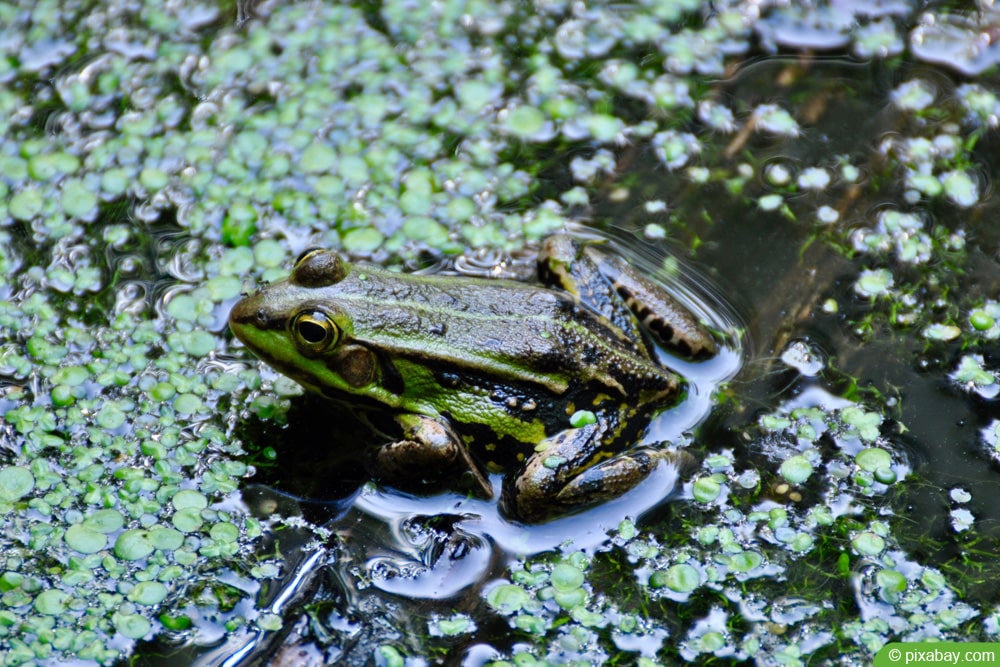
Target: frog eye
318, 268
314, 331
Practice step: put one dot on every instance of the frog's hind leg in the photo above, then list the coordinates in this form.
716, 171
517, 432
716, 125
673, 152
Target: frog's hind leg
565, 475
562, 263
618, 474
674, 326
609, 285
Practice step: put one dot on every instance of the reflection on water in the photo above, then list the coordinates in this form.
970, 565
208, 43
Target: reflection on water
585, 530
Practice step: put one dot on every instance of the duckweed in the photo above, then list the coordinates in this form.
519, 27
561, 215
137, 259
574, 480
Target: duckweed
866, 424
454, 626
132, 626
796, 469
148, 593
873, 459
771, 202
681, 578
105, 521
26, 204
189, 499
814, 178
51, 602
984, 320
745, 561
15, 483
913, 95
565, 577
772, 118
972, 375
706, 489
188, 404
362, 240
302, 126
960, 188
527, 123
85, 539
868, 544
508, 598
133, 545
533, 625
961, 519
270, 622
224, 532
874, 282
571, 599
164, 538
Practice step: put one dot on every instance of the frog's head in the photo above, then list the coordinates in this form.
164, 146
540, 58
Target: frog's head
300, 327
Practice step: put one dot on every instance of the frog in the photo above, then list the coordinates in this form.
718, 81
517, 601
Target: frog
550, 383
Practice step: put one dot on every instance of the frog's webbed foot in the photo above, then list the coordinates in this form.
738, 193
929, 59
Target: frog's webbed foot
428, 450
559, 478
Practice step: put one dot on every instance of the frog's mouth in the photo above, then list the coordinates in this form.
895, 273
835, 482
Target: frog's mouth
267, 342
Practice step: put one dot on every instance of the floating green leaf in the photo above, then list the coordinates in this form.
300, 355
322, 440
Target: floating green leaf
15, 483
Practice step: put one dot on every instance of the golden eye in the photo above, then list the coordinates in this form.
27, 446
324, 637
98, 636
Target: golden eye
314, 331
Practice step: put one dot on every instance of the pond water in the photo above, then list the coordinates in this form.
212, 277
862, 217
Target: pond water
816, 181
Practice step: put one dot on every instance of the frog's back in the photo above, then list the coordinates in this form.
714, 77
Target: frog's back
500, 328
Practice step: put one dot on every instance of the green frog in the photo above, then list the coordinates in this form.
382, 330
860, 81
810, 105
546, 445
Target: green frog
552, 385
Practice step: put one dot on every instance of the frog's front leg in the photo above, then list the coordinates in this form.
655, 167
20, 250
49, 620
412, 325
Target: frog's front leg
564, 475
428, 448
